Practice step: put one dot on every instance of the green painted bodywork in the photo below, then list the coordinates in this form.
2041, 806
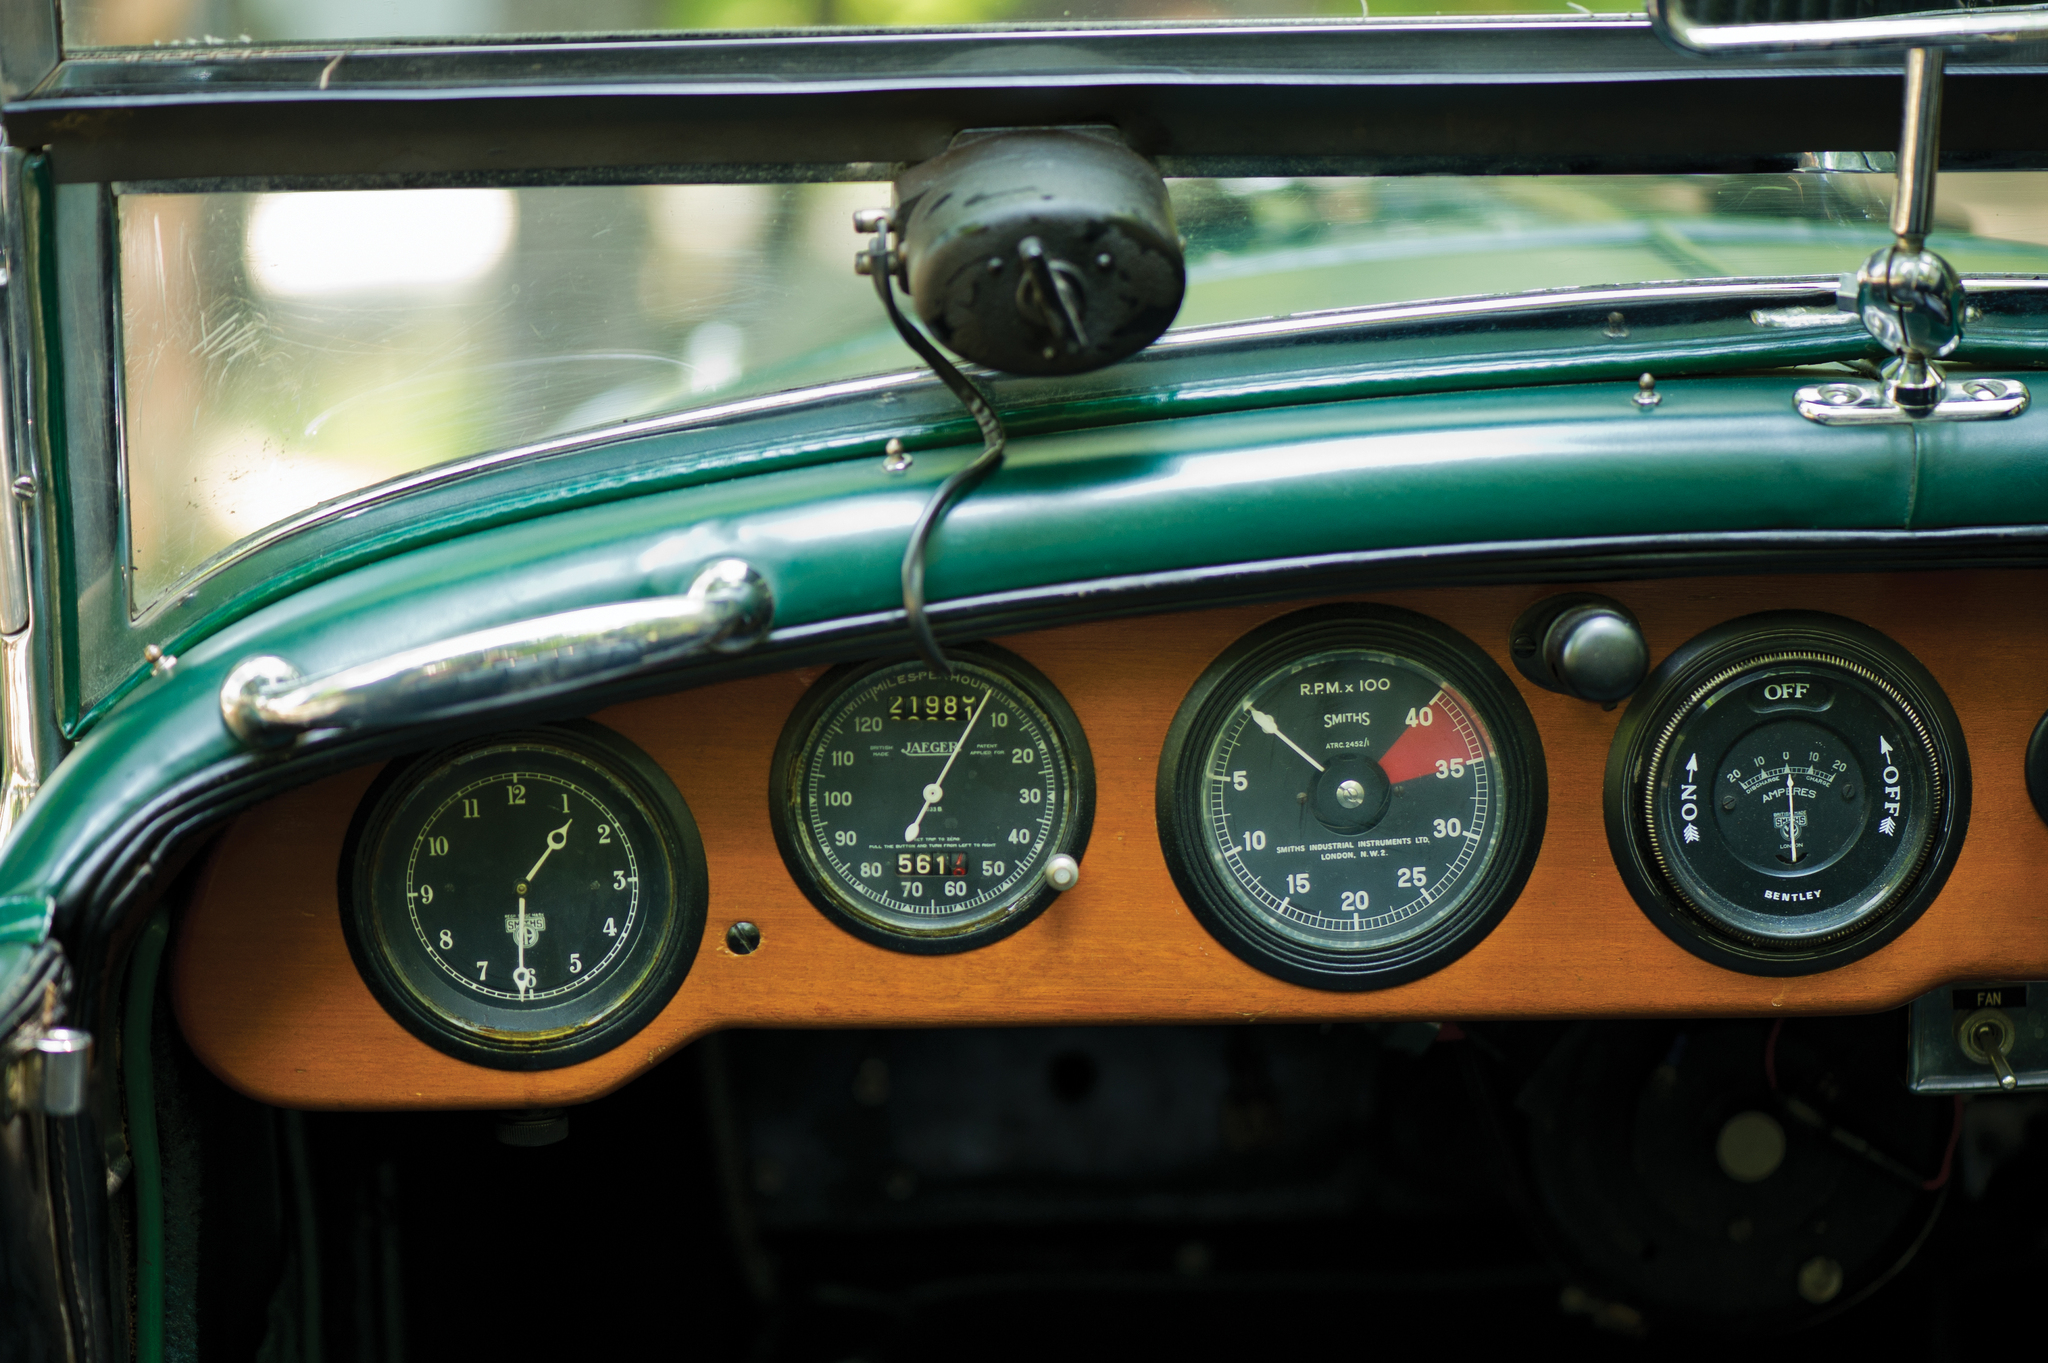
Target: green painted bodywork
1720, 454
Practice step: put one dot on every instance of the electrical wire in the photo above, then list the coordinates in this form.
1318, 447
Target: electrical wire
993, 438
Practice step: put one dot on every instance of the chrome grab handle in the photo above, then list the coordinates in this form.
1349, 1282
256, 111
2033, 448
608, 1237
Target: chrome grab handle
266, 702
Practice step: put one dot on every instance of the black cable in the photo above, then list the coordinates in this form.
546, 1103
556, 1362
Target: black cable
991, 457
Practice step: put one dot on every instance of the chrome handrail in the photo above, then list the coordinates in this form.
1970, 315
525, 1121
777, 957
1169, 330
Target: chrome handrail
266, 702
2003, 25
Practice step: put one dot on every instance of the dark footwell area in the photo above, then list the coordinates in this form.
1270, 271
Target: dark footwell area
1624, 1190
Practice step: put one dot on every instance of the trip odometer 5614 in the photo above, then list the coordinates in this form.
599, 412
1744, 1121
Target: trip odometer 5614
933, 814
1351, 797
1787, 792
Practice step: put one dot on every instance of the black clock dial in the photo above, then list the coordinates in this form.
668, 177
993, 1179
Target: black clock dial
525, 901
1787, 792
925, 813
1351, 797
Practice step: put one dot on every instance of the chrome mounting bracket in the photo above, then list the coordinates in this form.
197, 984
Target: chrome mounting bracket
1910, 299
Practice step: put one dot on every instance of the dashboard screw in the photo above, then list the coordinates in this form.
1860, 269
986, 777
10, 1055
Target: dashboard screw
25, 488
1646, 395
895, 458
1728, 803
742, 938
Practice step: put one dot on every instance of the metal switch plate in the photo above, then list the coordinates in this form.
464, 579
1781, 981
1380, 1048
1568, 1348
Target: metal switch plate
1940, 1062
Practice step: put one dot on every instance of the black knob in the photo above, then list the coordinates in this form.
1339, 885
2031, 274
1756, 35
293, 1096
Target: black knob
1584, 646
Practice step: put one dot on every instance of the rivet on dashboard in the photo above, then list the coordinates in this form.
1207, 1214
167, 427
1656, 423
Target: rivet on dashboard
1646, 394
742, 938
894, 457
25, 488
1617, 325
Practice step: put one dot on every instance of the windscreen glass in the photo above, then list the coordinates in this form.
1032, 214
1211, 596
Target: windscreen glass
284, 350
125, 23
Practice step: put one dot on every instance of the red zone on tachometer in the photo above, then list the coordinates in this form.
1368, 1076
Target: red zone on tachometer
1417, 752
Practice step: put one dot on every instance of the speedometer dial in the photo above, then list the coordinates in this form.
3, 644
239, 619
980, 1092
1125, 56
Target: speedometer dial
1351, 797
929, 813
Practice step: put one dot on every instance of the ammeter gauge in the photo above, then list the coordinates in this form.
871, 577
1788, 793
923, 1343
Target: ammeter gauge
525, 901
1787, 793
1351, 797
933, 814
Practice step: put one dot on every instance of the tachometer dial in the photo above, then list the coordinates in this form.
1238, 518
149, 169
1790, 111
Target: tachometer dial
525, 901
1351, 797
1787, 793
928, 813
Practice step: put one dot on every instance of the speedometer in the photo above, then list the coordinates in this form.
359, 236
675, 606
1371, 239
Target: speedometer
932, 813
1351, 797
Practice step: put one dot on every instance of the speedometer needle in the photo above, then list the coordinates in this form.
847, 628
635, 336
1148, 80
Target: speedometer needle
1791, 819
557, 840
936, 791
1265, 721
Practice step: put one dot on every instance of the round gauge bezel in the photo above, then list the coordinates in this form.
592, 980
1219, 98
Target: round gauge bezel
1718, 659
1429, 645
560, 1037
786, 814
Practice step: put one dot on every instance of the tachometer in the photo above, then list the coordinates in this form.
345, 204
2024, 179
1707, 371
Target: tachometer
525, 901
933, 814
1351, 797
1787, 792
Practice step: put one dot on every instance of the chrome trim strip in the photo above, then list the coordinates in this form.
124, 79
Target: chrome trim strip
1772, 289
266, 703
1928, 28
22, 777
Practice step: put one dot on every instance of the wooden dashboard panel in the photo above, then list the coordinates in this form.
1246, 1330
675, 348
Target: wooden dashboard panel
268, 997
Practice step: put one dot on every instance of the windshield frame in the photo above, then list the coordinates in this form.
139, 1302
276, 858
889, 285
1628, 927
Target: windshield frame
1512, 94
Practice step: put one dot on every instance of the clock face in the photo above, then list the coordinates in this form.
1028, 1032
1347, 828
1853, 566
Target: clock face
526, 901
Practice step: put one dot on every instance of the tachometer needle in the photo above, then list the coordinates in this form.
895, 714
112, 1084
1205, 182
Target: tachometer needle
557, 840
1265, 721
936, 791
1791, 819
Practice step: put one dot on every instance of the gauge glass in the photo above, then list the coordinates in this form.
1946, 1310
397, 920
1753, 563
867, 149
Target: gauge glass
1351, 796
1794, 798
1371, 825
511, 897
921, 811
1787, 792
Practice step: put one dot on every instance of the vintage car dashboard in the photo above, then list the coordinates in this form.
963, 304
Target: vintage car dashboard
1558, 879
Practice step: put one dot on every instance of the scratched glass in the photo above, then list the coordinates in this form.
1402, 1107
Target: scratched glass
281, 350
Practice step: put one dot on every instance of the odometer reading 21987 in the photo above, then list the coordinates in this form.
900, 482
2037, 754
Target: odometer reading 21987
1351, 797
925, 812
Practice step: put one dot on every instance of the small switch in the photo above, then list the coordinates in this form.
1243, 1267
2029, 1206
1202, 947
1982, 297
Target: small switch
1986, 1036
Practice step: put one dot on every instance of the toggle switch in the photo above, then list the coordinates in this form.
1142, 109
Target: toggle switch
1987, 1036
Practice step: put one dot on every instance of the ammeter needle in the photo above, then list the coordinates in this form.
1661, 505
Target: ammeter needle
1791, 819
1265, 721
